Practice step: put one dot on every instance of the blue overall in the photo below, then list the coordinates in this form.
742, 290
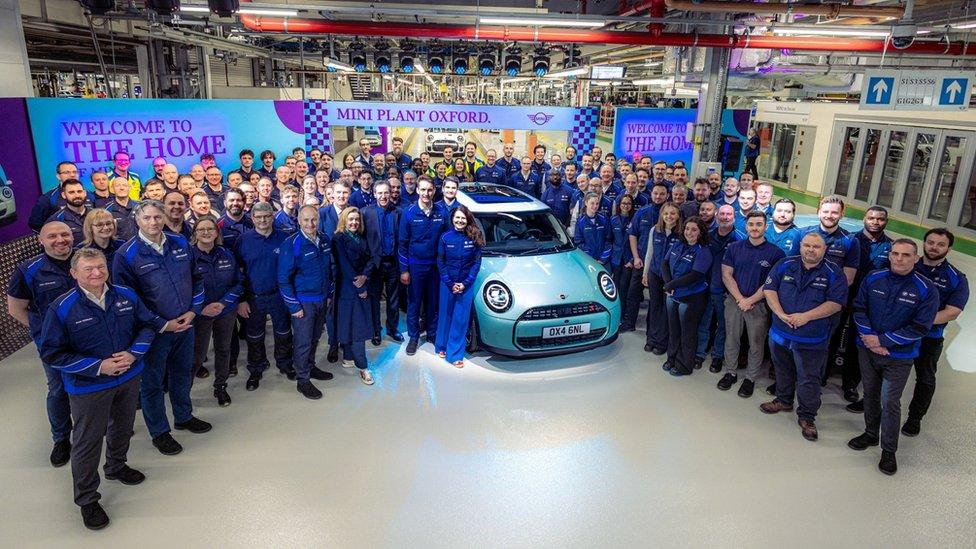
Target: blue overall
592, 236
529, 184
559, 199
420, 233
458, 260
715, 307
304, 280
382, 233
491, 174
168, 286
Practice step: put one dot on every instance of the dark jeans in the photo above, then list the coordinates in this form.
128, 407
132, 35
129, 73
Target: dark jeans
255, 327
386, 280
683, 317
842, 354
222, 330
356, 350
58, 406
714, 307
657, 312
106, 415
307, 332
422, 294
635, 294
926, 364
621, 279
799, 370
884, 380
171, 357
751, 166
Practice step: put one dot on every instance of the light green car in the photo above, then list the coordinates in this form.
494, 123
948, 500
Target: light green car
536, 293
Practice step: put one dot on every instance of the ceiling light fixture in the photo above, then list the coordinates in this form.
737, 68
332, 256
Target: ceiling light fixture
273, 12
798, 31
572, 71
541, 22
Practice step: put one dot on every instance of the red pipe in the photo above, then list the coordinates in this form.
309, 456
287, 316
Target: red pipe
658, 10
582, 36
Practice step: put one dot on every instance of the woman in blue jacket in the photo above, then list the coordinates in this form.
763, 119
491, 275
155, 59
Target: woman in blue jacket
592, 231
662, 235
216, 266
621, 259
458, 261
101, 233
354, 265
685, 274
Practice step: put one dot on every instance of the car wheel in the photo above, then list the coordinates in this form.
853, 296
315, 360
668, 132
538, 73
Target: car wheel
471, 341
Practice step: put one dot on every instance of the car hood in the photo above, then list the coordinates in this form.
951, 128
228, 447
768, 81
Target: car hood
547, 279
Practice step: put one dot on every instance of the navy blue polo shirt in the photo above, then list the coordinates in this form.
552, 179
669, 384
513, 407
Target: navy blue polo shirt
842, 248
787, 240
953, 288
800, 290
717, 244
751, 263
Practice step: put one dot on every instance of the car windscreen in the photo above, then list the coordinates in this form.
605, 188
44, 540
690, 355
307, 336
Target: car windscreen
523, 233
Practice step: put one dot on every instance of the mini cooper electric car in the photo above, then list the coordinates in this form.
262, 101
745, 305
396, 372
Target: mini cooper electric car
536, 293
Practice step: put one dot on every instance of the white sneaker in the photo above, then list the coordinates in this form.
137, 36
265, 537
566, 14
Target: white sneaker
366, 376
347, 363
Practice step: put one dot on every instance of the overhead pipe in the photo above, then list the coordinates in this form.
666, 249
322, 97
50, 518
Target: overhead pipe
584, 36
777, 8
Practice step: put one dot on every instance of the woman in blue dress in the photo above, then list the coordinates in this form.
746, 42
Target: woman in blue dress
354, 324
458, 261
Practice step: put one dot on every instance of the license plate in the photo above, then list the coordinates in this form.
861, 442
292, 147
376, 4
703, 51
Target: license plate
565, 331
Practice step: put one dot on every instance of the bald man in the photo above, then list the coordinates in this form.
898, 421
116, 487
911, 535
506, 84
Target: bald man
34, 285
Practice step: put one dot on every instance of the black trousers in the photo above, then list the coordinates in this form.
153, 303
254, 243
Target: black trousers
103, 415
635, 294
683, 319
926, 364
843, 353
386, 281
221, 330
751, 166
621, 278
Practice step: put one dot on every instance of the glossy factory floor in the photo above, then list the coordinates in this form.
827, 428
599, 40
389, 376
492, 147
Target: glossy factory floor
598, 449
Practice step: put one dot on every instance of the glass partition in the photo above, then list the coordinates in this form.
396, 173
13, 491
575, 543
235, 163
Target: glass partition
848, 151
891, 168
921, 157
950, 163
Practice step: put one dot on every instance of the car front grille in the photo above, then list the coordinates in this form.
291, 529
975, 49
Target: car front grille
562, 311
538, 342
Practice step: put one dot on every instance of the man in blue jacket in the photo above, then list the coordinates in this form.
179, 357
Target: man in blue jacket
894, 309
159, 267
953, 289
52, 201
492, 171
34, 285
558, 197
803, 293
382, 223
95, 335
421, 226
305, 283
257, 254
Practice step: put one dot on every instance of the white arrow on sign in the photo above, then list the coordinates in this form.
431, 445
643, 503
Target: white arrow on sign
953, 89
879, 90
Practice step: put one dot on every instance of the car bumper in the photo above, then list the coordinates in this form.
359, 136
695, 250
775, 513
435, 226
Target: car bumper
523, 338
439, 146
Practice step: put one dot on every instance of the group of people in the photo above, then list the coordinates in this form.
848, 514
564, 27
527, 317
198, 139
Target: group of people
138, 279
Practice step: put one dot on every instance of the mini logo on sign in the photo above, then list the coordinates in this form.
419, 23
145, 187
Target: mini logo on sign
540, 118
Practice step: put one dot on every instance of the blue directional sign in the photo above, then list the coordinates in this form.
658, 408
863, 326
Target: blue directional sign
879, 90
954, 91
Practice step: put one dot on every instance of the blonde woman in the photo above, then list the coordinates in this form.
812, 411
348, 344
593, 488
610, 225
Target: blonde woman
354, 266
100, 233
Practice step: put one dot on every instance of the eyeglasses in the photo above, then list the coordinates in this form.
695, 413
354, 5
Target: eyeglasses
103, 224
206, 230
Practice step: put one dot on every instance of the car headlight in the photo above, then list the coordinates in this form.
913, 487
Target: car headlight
607, 286
7, 193
498, 297
430, 137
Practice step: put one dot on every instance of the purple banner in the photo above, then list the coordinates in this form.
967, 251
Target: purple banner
19, 187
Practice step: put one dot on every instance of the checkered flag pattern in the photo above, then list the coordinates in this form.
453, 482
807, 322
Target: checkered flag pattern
317, 132
583, 135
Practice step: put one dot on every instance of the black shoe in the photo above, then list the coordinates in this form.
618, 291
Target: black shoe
667, 366
61, 453
699, 360
678, 373
626, 328
912, 427
716, 365
253, 382
290, 374
377, 340
193, 425
888, 464
167, 445
94, 516
850, 395
658, 351
727, 381
203, 373
745, 390
855, 407
127, 475
333, 356
648, 348
308, 390
862, 442
232, 371
771, 389
432, 340
320, 374
412, 347
396, 336
223, 399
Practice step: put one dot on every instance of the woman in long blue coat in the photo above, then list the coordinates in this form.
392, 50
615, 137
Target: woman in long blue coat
458, 261
354, 324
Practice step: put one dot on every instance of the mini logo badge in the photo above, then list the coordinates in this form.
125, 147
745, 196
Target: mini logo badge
540, 118
562, 296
